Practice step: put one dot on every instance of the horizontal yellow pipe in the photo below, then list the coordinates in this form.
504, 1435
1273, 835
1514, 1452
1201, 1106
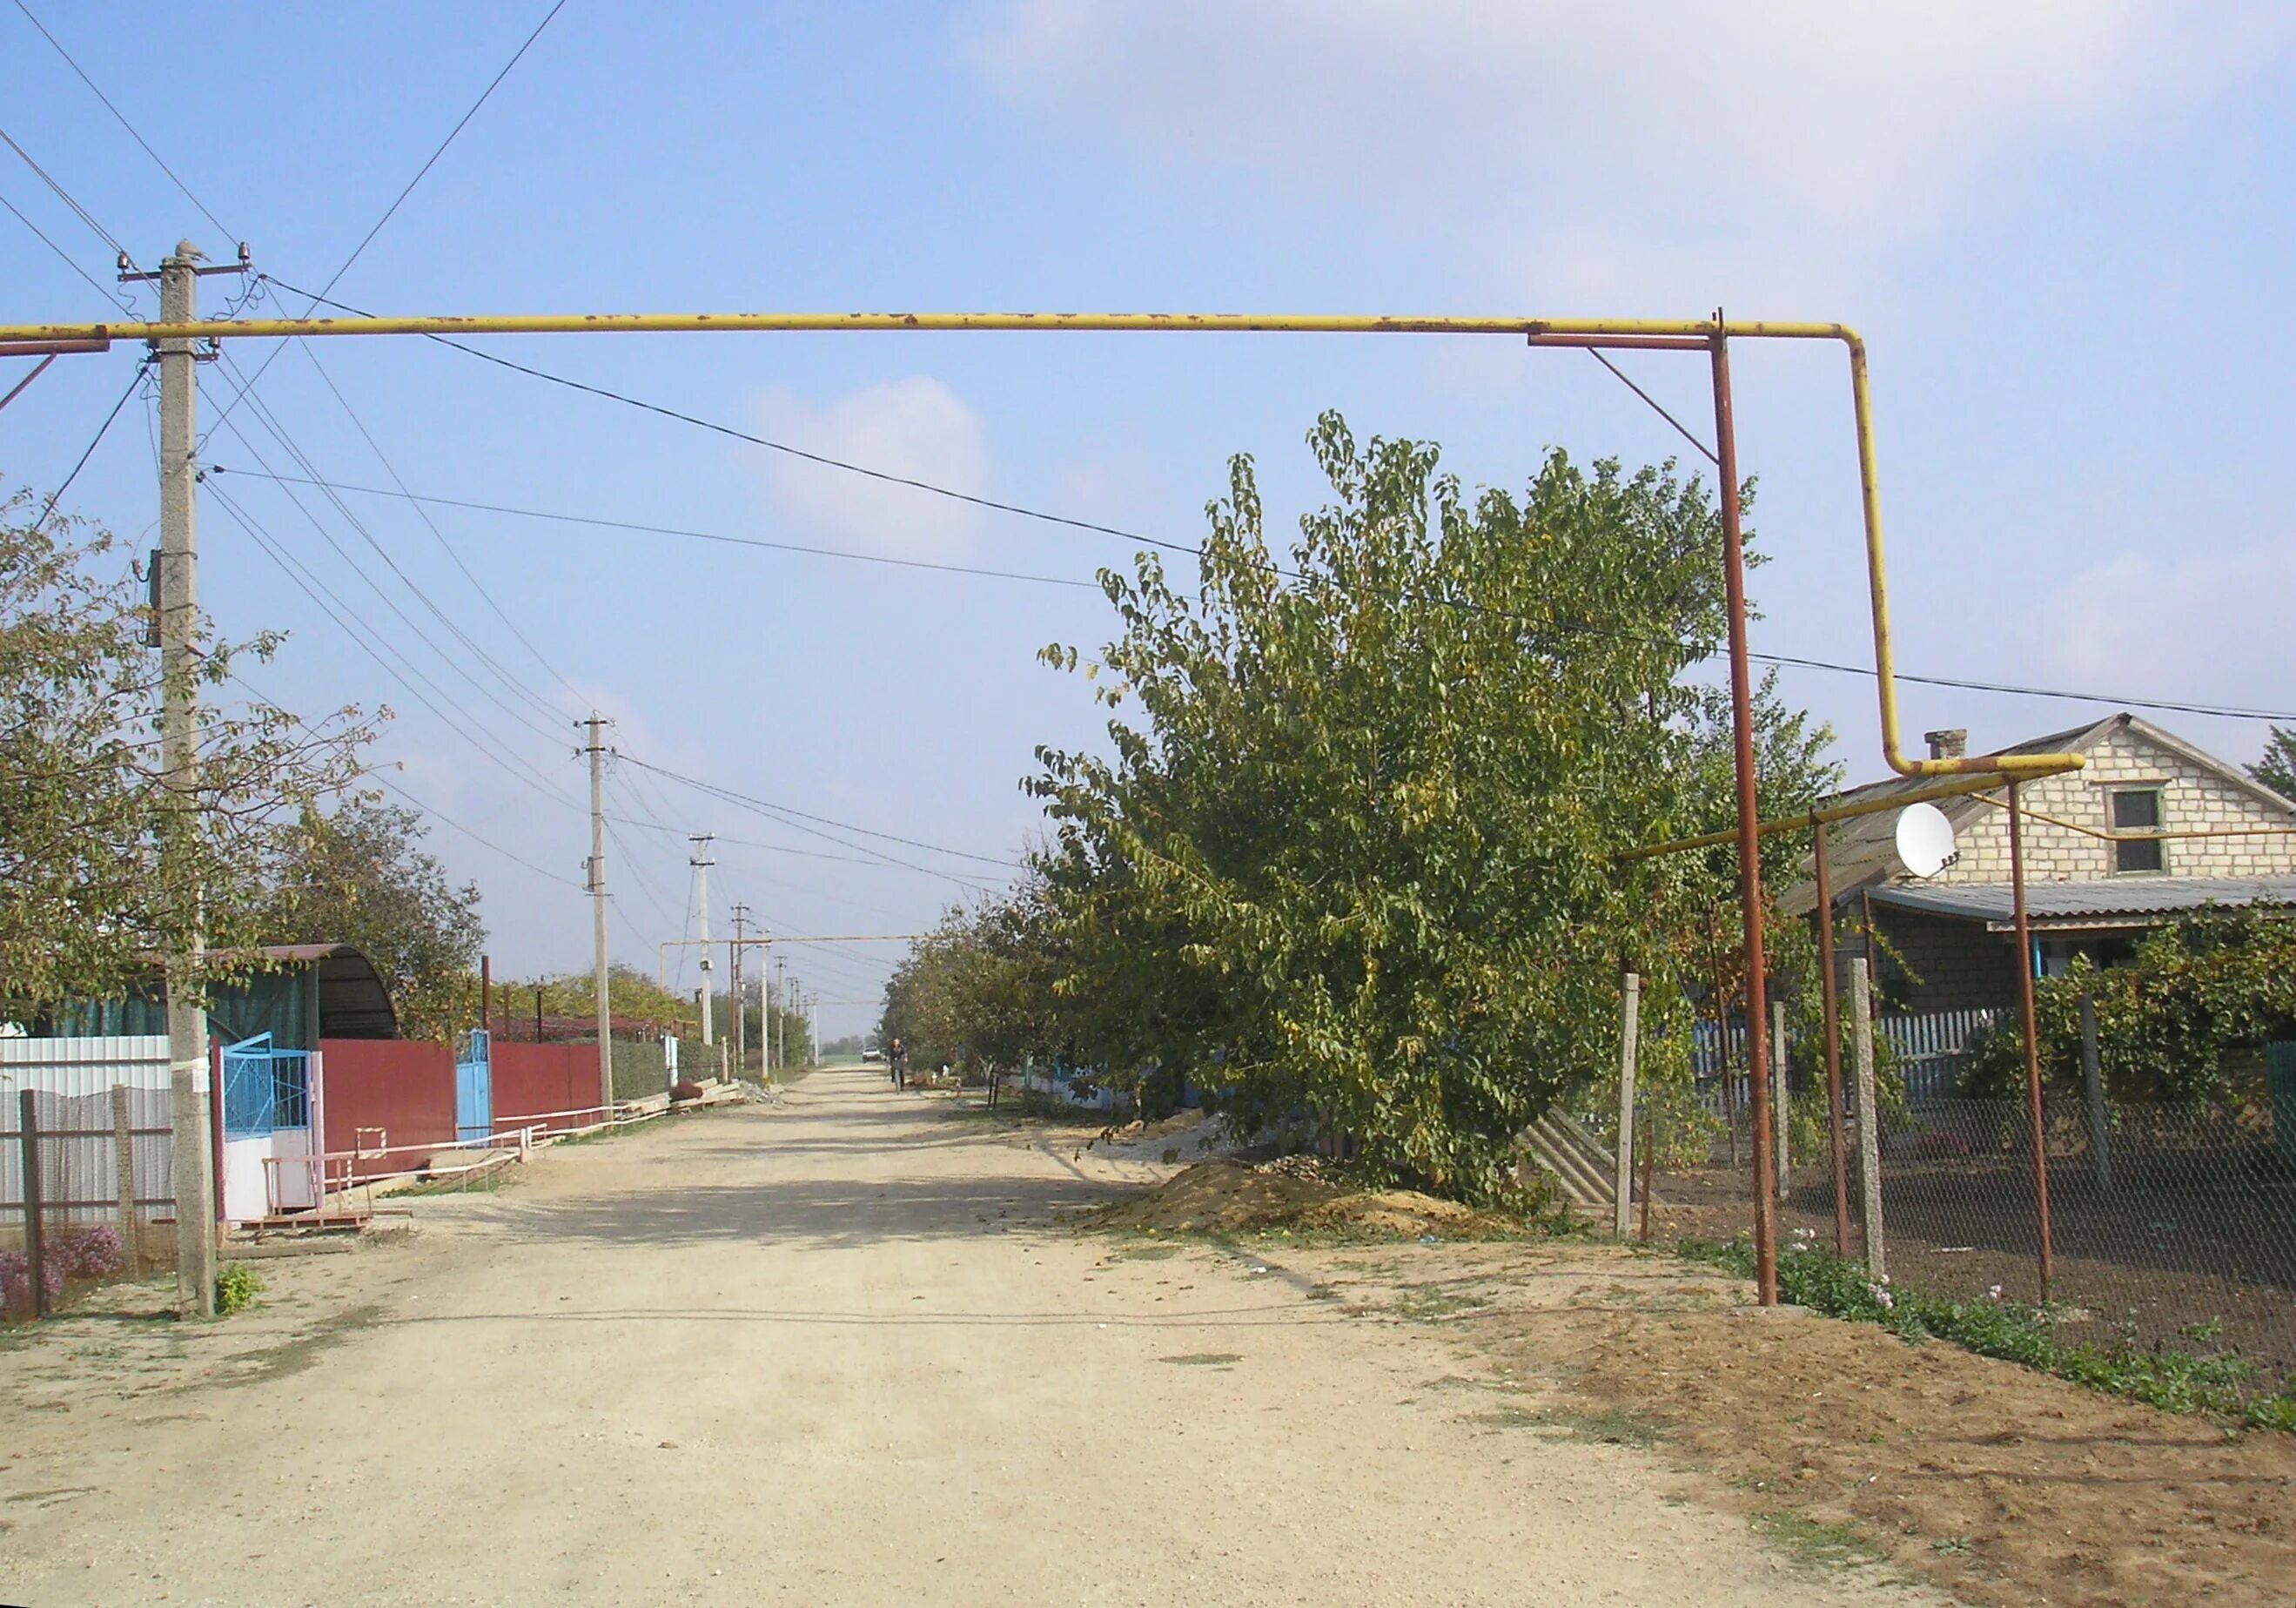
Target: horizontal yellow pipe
2022, 766
2142, 834
1952, 788
563, 323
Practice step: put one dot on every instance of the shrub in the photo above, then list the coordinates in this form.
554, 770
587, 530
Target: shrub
89, 1252
236, 1288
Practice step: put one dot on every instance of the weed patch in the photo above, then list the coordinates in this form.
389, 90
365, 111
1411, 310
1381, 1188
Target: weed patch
2176, 1382
1816, 1542
1204, 1359
236, 1288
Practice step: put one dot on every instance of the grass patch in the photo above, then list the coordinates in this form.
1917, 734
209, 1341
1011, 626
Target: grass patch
1431, 1303
2177, 1381
1204, 1359
1042, 1110
1609, 1426
1816, 1542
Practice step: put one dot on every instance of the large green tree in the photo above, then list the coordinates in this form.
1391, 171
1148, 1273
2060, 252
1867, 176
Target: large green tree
1356, 852
358, 875
87, 898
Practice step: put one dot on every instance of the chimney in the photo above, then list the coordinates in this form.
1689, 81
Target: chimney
1948, 745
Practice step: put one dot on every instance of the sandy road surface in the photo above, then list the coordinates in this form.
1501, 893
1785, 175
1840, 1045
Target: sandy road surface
840, 1351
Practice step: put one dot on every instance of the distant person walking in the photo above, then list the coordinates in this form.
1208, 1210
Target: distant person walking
896, 1061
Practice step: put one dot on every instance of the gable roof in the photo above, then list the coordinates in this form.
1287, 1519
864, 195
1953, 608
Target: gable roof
1862, 851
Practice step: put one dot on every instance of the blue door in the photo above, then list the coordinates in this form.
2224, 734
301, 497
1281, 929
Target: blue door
474, 1087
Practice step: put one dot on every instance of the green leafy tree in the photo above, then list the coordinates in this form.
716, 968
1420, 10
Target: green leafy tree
87, 897
1357, 852
359, 875
2277, 770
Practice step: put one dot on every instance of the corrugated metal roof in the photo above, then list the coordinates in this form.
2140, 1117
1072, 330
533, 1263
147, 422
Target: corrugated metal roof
2136, 899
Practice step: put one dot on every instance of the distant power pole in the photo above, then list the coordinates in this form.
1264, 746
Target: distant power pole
188, 1073
781, 1012
701, 862
596, 750
816, 1029
741, 1023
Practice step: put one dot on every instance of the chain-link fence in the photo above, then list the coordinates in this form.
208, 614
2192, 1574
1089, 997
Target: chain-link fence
2171, 1227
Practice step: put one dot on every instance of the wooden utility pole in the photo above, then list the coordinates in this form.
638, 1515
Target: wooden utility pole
189, 1077
596, 750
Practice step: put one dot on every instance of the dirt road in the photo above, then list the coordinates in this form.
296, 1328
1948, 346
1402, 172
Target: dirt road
839, 1352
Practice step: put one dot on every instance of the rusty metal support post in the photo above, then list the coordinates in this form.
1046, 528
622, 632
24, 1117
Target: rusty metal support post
2032, 1037
35, 1261
1750, 842
1828, 995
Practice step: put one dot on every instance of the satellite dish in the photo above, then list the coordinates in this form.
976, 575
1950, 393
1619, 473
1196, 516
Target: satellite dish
1925, 840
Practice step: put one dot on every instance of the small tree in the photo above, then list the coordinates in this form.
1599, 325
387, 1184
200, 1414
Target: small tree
87, 898
2277, 770
358, 875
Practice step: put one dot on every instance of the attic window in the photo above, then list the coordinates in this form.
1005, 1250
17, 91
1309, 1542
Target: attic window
2137, 809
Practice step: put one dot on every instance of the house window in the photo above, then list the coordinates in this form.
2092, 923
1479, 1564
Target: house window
2137, 809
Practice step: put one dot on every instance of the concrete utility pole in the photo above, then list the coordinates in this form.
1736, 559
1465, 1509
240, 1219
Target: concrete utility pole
188, 1078
701, 862
816, 1029
741, 1023
781, 1012
597, 752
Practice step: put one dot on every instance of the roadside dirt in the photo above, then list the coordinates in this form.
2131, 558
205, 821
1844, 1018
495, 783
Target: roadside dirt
847, 1349
1226, 1197
1842, 1442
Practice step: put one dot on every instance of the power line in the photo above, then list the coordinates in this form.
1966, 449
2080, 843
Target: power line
764, 804
399, 200
339, 611
825, 459
432, 160
392, 469
103, 430
699, 536
121, 116
112, 296
64, 195
270, 421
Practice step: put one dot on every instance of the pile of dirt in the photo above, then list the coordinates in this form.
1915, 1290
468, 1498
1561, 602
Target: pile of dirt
1226, 1197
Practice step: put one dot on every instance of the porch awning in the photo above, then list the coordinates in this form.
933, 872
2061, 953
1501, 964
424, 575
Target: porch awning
2133, 901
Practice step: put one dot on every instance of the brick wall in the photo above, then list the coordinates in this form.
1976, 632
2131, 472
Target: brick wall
1961, 965
2191, 798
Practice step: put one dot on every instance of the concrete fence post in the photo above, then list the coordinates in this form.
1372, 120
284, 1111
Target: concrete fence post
1869, 1119
35, 1259
1629, 1026
123, 1173
2100, 1128
1781, 1103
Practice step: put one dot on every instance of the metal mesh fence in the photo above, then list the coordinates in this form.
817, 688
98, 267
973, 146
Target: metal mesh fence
2172, 1227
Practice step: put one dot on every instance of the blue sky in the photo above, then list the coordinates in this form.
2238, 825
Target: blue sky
2064, 230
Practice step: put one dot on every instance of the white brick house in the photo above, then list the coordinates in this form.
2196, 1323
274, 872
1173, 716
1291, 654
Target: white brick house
2090, 892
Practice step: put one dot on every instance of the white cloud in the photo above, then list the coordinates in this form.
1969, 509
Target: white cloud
2205, 626
916, 428
1601, 129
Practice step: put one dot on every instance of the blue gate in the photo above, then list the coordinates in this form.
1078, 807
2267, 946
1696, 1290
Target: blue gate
263, 1089
475, 1087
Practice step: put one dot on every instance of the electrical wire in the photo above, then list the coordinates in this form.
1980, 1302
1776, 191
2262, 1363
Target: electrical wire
766, 804
331, 604
269, 420
825, 459
103, 430
66, 196
420, 174
439, 536
121, 116
123, 303
701, 535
